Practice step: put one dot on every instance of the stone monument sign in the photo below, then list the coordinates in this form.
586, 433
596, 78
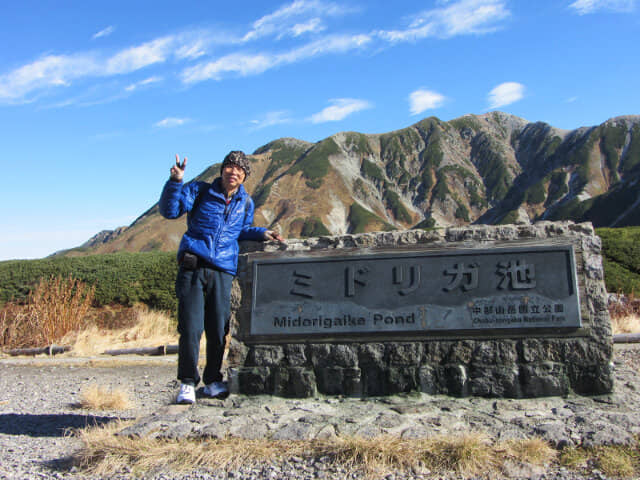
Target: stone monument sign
418, 292
515, 311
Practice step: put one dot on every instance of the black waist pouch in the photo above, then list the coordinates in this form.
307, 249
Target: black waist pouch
189, 261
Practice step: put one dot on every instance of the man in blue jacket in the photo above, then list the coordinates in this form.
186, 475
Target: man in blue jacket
218, 215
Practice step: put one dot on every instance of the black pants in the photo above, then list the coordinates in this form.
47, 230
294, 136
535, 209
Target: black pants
204, 297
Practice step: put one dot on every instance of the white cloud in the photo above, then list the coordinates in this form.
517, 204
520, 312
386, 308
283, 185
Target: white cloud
48, 71
193, 49
287, 18
463, 17
51, 71
104, 32
246, 64
270, 119
234, 63
314, 25
584, 7
135, 58
142, 83
422, 100
341, 108
323, 46
171, 122
505, 94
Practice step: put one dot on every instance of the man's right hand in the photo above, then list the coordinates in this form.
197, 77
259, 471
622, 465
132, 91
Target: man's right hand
177, 171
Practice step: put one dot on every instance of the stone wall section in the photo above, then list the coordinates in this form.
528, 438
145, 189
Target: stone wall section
516, 365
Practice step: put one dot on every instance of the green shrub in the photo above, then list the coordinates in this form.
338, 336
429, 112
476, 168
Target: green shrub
313, 227
492, 168
371, 170
475, 199
621, 254
552, 146
612, 204
574, 210
393, 203
261, 194
602, 209
632, 155
427, 183
465, 122
535, 193
462, 212
315, 164
432, 155
119, 278
611, 143
358, 143
397, 145
427, 224
360, 218
576, 153
620, 279
395, 169
441, 190
509, 218
281, 155
557, 186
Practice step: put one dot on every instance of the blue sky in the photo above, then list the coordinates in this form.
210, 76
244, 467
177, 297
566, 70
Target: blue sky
96, 98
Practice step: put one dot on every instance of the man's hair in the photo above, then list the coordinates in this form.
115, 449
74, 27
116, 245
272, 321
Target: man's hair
238, 158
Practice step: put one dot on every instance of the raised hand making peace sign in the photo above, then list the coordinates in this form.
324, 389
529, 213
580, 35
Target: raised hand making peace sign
177, 171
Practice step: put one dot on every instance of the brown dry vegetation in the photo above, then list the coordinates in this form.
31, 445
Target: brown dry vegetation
625, 314
55, 307
614, 461
148, 328
96, 397
58, 311
471, 454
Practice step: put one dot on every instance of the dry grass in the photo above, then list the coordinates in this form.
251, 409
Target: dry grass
55, 307
625, 314
151, 328
372, 456
14, 327
104, 453
627, 324
616, 461
96, 397
472, 454
613, 461
468, 454
531, 450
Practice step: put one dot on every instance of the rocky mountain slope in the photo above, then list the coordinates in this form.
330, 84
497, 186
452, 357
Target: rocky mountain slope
491, 168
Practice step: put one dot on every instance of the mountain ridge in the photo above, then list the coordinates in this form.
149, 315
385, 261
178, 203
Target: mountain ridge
490, 168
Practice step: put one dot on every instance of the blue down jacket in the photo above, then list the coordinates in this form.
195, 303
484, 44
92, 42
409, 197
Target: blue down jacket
213, 228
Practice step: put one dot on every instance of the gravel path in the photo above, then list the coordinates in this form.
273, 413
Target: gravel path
38, 407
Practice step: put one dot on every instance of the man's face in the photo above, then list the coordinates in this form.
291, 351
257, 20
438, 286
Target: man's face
232, 177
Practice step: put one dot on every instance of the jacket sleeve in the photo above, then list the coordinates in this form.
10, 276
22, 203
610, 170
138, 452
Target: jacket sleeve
248, 232
177, 198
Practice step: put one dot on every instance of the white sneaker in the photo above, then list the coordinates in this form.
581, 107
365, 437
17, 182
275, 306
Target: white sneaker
216, 390
187, 394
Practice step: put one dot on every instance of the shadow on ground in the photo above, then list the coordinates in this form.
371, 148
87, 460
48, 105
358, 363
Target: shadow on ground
48, 425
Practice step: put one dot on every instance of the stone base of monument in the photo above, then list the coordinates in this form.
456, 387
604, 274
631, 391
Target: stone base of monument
500, 311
